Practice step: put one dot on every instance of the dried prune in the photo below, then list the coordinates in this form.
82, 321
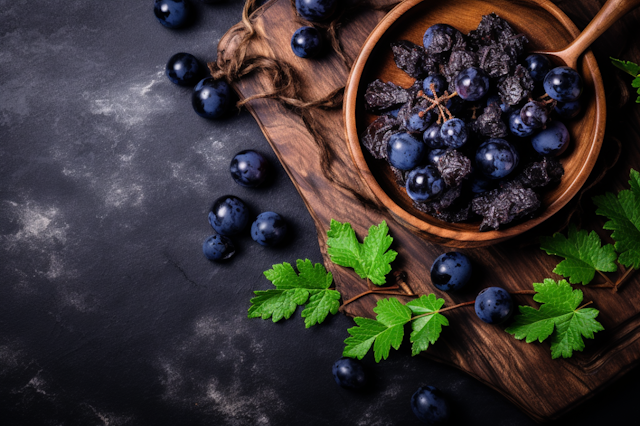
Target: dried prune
374, 137
516, 87
490, 123
502, 206
454, 167
381, 96
541, 173
410, 58
495, 61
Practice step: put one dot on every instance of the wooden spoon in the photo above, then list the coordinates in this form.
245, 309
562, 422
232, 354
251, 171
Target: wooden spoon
610, 13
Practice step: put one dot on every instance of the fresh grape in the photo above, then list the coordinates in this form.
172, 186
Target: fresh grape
538, 66
268, 229
316, 10
517, 127
249, 168
405, 152
212, 99
416, 120
472, 84
431, 137
439, 38
563, 84
173, 13
430, 406
496, 158
349, 373
218, 247
568, 110
495, 99
434, 156
534, 114
229, 215
451, 271
494, 305
424, 183
454, 133
551, 141
306, 42
481, 184
439, 84
184, 69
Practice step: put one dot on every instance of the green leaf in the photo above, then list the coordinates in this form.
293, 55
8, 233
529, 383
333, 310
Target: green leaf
426, 329
371, 259
636, 82
558, 317
385, 332
292, 290
627, 66
583, 253
623, 212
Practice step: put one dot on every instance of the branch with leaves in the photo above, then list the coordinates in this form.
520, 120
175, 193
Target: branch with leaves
633, 70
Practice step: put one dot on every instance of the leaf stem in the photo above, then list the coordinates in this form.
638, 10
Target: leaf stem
531, 292
374, 291
624, 278
460, 305
585, 305
607, 278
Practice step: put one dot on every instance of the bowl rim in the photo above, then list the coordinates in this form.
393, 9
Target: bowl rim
487, 237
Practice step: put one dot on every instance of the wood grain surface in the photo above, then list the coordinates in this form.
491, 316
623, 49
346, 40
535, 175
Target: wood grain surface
524, 373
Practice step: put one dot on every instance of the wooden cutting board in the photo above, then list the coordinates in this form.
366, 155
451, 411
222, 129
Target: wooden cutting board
524, 373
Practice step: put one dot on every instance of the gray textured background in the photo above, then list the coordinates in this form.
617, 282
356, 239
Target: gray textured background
109, 314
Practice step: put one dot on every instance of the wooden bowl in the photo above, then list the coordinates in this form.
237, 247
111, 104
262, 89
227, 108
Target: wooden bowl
547, 28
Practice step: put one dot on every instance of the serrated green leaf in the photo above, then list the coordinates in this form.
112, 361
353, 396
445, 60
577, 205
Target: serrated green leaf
623, 212
583, 253
371, 259
277, 304
391, 312
319, 306
627, 66
427, 329
635, 82
558, 318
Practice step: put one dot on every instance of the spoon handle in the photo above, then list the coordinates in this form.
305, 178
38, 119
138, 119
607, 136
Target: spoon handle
610, 13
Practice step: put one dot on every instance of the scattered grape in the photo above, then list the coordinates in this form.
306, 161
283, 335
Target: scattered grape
173, 13
349, 373
269, 229
184, 69
212, 99
306, 42
551, 141
451, 271
430, 406
218, 247
249, 168
316, 10
229, 215
496, 158
494, 305
424, 183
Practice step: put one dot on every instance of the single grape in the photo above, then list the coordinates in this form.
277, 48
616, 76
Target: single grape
405, 152
439, 38
553, 140
472, 84
563, 84
424, 183
495, 99
496, 158
349, 373
431, 137
218, 247
306, 42
430, 406
434, 156
454, 133
451, 271
212, 99
184, 69
229, 215
249, 168
173, 13
481, 184
316, 10
416, 120
439, 84
538, 66
568, 110
517, 127
534, 114
268, 229
494, 305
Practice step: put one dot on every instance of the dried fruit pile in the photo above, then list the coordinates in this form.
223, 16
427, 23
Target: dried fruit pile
478, 133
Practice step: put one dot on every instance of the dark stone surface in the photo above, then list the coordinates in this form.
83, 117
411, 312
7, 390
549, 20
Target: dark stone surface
109, 313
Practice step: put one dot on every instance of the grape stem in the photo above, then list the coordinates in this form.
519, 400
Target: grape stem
439, 102
439, 311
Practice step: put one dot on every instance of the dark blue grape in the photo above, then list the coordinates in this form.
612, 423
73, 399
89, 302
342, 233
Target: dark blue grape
316, 10
349, 373
434, 156
496, 158
538, 66
184, 69
431, 137
212, 99
439, 84
563, 84
249, 168
517, 127
430, 406
424, 183
306, 42
229, 215
218, 247
454, 133
568, 110
495, 99
534, 114
481, 184
472, 84
405, 152
417, 121
551, 141
439, 38
451, 271
494, 305
269, 229
173, 13
455, 105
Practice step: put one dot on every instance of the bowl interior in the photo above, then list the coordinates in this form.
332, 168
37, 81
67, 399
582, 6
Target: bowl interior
547, 28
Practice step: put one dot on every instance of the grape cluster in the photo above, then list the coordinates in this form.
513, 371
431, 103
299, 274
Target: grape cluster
481, 98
